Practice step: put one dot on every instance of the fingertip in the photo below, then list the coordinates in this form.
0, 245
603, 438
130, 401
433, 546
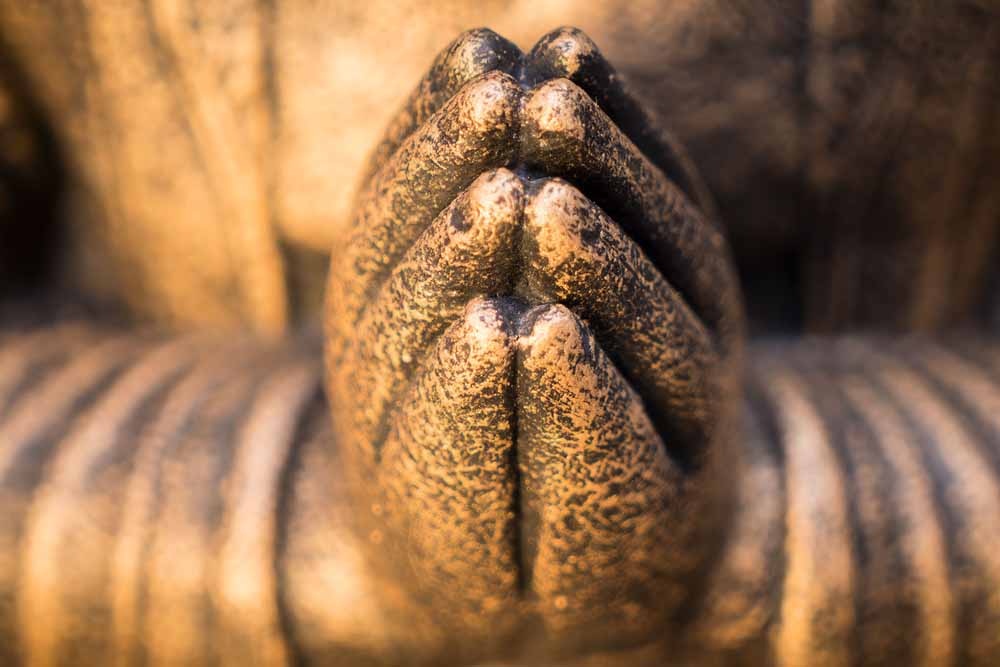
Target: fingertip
500, 186
485, 329
556, 107
556, 218
551, 338
494, 206
490, 103
479, 50
563, 52
551, 197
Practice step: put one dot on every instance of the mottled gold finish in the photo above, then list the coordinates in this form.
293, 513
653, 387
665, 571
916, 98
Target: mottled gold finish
545, 447
516, 488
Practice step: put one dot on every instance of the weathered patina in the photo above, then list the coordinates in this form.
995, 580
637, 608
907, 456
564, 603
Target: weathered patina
531, 430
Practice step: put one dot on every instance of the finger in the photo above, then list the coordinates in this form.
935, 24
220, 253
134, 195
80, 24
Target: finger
447, 477
472, 54
469, 135
606, 525
564, 133
467, 251
575, 255
568, 53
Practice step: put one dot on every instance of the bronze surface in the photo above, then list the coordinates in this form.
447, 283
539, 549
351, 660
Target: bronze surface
532, 430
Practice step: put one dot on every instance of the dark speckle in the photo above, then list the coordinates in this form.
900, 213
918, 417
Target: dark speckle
589, 235
458, 220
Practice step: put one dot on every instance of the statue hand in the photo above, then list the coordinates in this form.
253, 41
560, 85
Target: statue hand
533, 340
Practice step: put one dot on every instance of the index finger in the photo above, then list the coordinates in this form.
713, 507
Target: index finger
568, 53
472, 54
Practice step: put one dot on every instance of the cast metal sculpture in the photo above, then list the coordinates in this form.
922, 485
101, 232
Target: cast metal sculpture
548, 442
509, 468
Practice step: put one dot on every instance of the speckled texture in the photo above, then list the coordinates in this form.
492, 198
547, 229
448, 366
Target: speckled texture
554, 473
542, 451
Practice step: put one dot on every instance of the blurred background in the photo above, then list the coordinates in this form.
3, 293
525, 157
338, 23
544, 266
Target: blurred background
190, 162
